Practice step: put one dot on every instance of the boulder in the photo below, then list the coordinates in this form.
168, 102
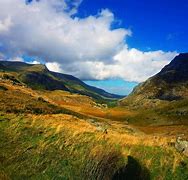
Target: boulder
181, 146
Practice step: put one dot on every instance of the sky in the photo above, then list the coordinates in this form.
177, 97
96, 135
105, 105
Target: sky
112, 44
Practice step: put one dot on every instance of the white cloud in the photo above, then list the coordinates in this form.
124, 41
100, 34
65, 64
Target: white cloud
34, 62
39, 30
128, 64
135, 65
53, 66
19, 59
5, 25
86, 47
2, 56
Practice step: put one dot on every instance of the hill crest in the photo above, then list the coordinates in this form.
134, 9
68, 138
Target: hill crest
38, 77
171, 83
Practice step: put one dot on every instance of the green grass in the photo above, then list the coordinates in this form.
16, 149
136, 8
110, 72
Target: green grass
23, 156
161, 162
30, 150
161, 113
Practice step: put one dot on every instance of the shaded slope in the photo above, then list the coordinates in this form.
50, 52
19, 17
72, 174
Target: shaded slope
78, 86
163, 98
39, 77
171, 83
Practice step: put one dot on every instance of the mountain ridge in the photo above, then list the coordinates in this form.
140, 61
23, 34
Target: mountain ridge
38, 77
170, 84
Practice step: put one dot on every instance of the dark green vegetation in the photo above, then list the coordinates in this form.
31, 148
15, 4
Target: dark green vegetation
40, 78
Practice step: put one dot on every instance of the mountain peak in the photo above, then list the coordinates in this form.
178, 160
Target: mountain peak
171, 83
22, 66
37, 76
182, 56
176, 71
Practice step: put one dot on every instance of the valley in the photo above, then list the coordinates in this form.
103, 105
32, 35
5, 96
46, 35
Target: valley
60, 134
93, 90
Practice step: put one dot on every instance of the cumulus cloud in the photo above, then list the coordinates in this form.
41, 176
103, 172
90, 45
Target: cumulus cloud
5, 25
128, 64
54, 66
19, 59
135, 65
39, 30
34, 62
88, 48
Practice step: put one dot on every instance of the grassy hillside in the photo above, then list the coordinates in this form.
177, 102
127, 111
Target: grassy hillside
163, 98
62, 135
15, 97
62, 147
40, 78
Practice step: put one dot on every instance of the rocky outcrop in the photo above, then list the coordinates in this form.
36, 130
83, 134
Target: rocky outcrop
181, 145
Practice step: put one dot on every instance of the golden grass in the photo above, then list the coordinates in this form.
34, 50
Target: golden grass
78, 129
171, 130
119, 132
114, 137
78, 126
62, 121
3, 176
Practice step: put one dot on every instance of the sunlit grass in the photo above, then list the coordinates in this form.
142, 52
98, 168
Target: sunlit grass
52, 146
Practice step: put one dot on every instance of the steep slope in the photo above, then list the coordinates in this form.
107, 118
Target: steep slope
163, 98
171, 83
39, 77
77, 86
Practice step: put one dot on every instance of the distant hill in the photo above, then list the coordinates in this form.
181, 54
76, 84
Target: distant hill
38, 77
2, 67
170, 84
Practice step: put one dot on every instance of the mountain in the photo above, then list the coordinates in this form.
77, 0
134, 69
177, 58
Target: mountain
38, 77
162, 100
170, 84
70, 136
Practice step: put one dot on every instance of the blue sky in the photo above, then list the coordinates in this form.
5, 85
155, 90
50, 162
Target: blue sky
117, 86
111, 44
156, 24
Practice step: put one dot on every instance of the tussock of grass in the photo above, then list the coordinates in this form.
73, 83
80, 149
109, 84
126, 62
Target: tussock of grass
59, 146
